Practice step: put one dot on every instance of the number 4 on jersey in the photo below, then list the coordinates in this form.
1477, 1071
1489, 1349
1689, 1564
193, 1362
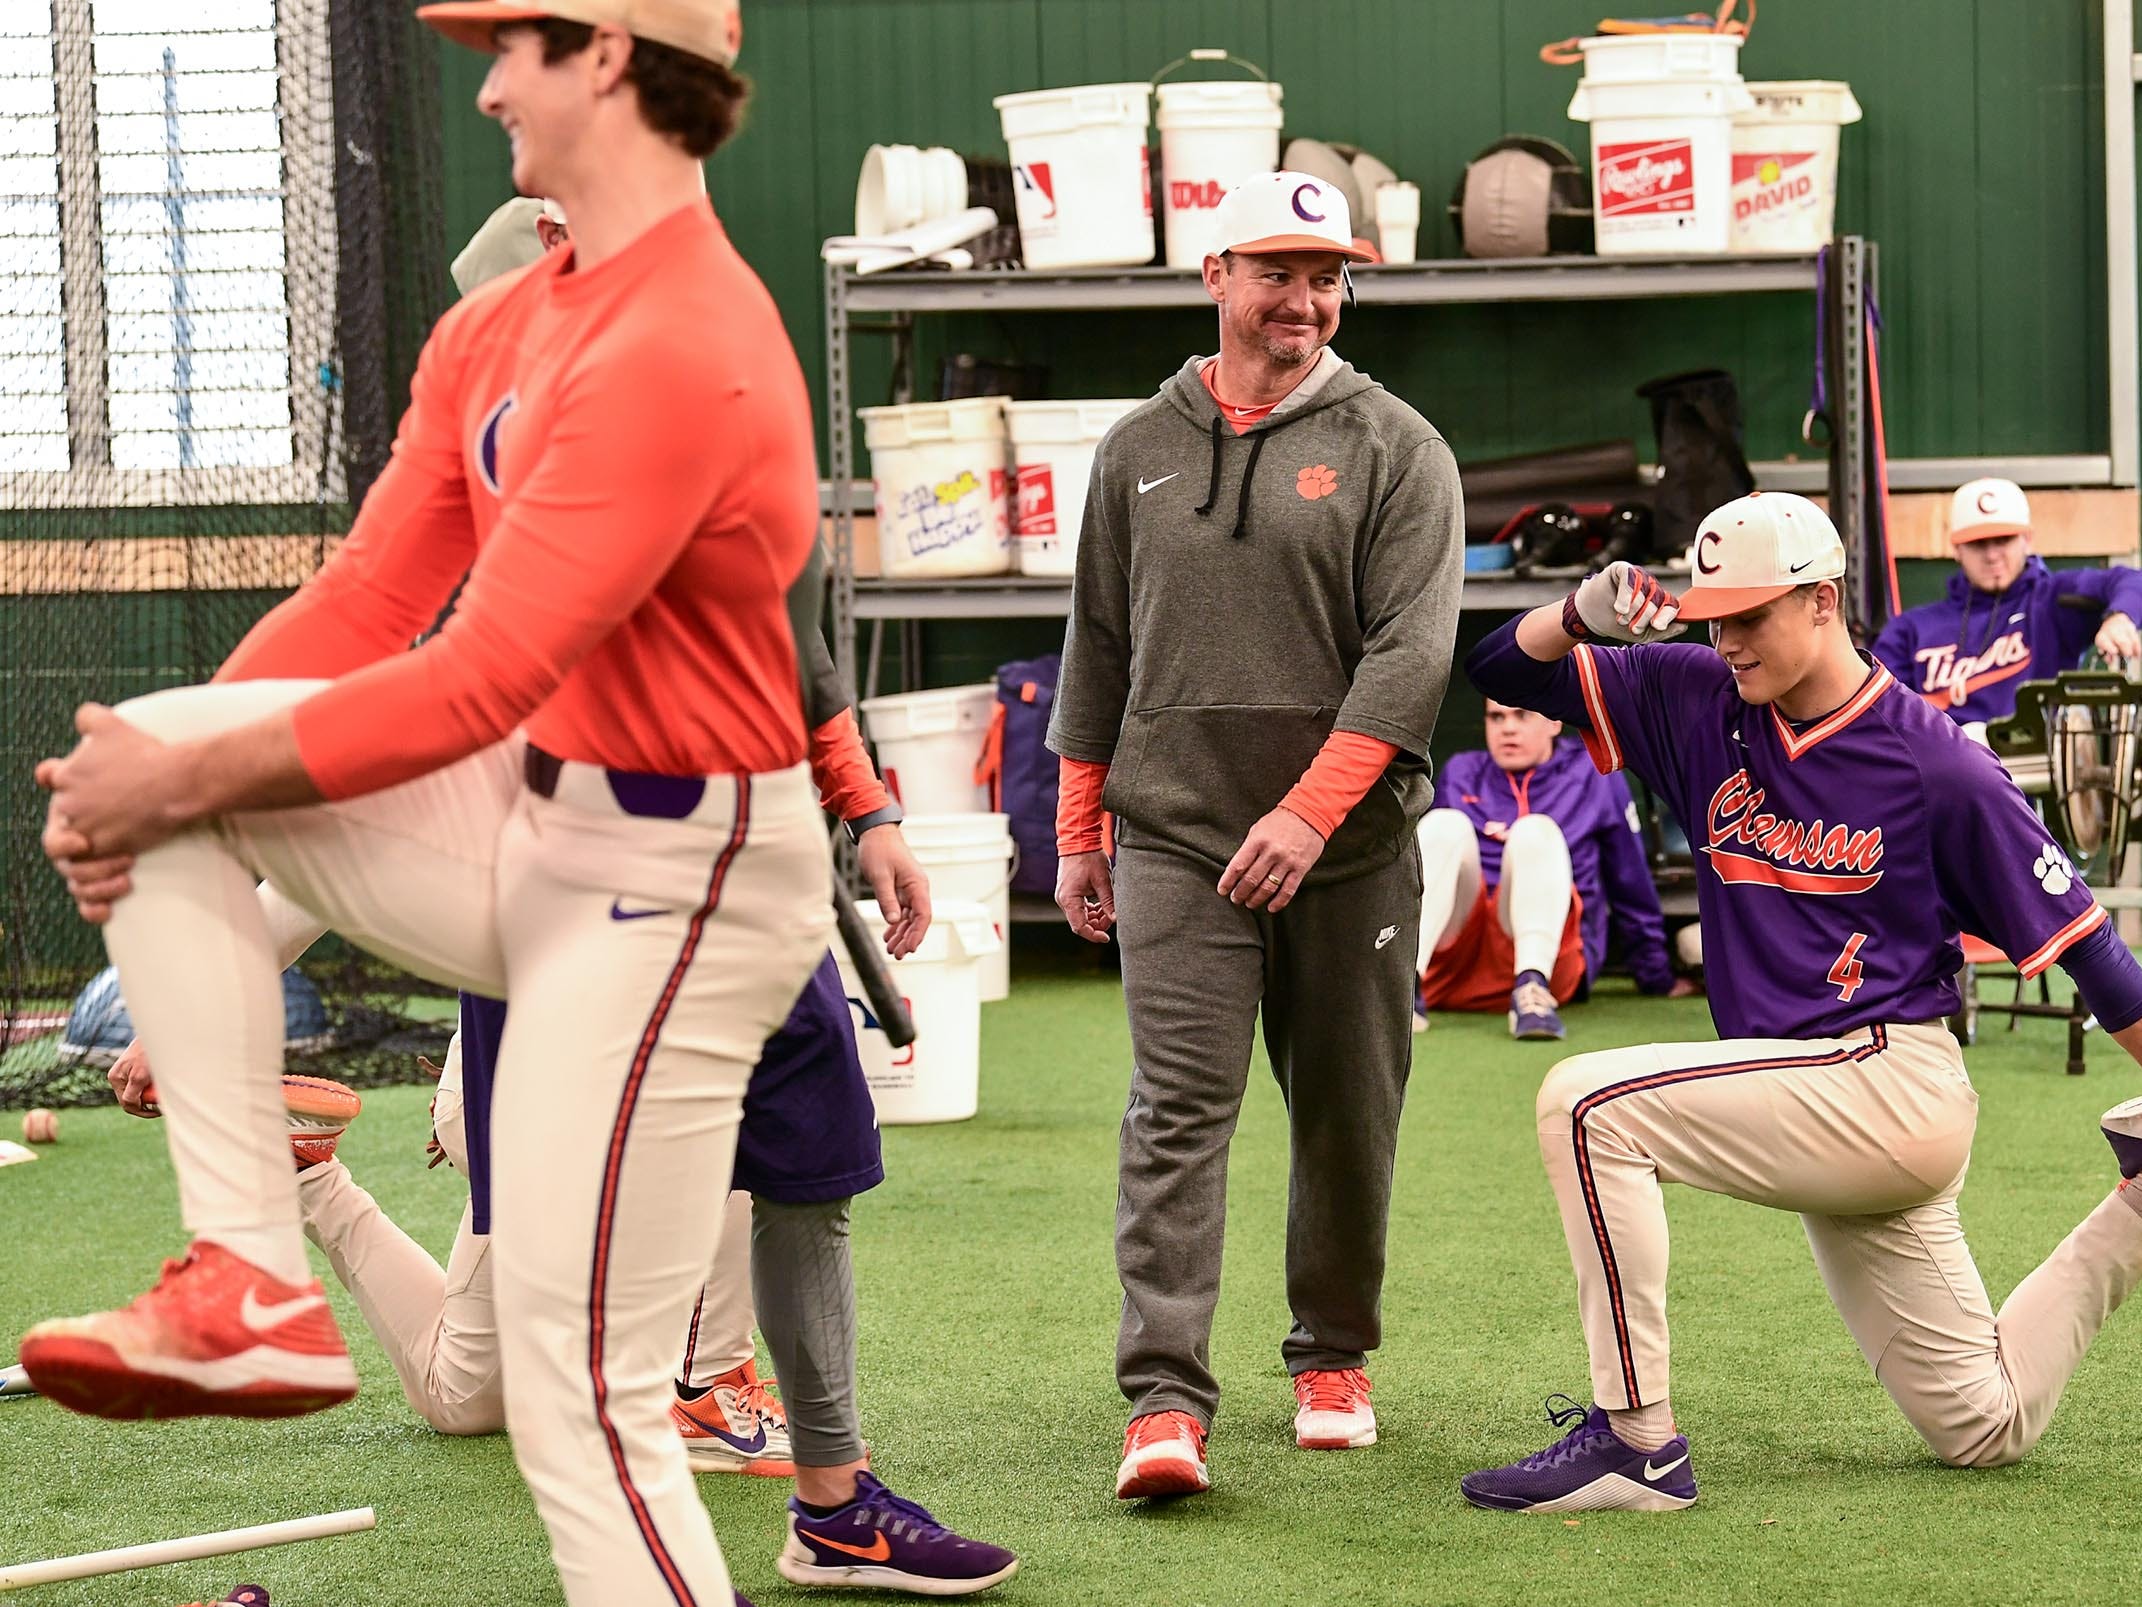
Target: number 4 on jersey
1847, 974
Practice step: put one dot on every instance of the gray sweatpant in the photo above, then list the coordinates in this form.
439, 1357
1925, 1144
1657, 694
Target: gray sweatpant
1333, 976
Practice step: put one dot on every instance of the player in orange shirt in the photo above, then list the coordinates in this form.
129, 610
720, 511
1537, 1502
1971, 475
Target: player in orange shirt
585, 793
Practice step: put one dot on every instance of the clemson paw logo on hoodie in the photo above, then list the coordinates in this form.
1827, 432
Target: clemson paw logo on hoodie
1318, 480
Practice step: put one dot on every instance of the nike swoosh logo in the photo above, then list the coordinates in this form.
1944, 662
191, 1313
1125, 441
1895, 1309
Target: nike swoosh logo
1652, 1475
260, 1317
750, 1447
1794, 569
877, 1551
1384, 937
618, 912
1145, 485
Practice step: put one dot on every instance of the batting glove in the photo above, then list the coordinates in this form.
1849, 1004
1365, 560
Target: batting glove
1622, 603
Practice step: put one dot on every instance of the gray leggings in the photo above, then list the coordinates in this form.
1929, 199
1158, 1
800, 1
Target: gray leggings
803, 1284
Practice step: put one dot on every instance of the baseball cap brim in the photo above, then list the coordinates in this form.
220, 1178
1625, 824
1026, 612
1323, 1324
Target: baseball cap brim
474, 22
1987, 532
1721, 602
1274, 244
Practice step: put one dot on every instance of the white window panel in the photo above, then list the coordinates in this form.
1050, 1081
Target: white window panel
29, 134
30, 176
214, 370
26, 218
207, 251
144, 92
27, 257
148, 216
33, 334
223, 52
195, 291
260, 172
28, 452
112, 17
212, 449
40, 372
212, 410
243, 332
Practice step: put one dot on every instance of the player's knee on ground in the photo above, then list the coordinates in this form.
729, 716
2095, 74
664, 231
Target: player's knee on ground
480, 1412
1971, 1428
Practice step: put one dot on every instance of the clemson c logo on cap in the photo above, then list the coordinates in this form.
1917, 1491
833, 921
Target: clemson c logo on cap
1704, 543
1986, 501
1303, 212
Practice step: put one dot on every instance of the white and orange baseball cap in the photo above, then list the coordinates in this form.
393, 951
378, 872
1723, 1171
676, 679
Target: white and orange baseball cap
1984, 509
1275, 212
1757, 548
710, 29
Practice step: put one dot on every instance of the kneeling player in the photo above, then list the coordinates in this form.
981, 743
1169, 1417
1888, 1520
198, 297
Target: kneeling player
1528, 861
1851, 832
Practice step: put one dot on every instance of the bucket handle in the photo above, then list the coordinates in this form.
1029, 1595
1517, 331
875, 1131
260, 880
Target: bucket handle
1566, 52
1208, 53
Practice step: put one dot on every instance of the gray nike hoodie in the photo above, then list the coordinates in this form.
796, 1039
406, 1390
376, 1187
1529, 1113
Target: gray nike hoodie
1238, 598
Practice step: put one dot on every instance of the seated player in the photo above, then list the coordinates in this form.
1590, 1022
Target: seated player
1529, 861
1850, 833
2007, 618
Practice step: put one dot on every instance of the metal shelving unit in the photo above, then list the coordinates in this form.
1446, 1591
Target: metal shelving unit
890, 303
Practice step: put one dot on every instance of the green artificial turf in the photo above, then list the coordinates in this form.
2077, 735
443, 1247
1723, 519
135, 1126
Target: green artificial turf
988, 1306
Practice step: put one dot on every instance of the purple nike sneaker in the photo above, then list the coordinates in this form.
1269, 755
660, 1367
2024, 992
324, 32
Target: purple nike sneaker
1588, 1469
879, 1541
1533, 1017
2123, 1131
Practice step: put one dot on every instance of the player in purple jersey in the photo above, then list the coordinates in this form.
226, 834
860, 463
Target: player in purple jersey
1846, 833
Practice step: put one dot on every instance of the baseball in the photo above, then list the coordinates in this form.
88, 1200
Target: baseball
40, 1126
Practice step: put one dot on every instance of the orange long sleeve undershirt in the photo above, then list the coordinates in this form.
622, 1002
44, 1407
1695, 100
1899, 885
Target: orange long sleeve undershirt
1338, 778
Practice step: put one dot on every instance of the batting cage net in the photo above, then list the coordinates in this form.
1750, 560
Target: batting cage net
222, 241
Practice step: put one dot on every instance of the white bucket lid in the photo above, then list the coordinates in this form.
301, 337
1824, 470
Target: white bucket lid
1060, 111
1219, 103
1658, 97
932, 713
1801, 100
1689, 41
958, 931
971, 418
956, 831
1065, 423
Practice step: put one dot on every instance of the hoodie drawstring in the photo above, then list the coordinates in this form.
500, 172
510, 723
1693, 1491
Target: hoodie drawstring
1249, 472
1212, 489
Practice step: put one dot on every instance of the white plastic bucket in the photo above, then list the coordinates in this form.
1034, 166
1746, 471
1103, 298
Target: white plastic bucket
1052, 446
941, 475
1650, 58
902, 185
1662, 163
969, 860
1079, 175
937, 1078
1785, 164
1213, 135
928, 744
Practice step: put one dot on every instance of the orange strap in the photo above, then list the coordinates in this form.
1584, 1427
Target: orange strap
989, 764
1566, 52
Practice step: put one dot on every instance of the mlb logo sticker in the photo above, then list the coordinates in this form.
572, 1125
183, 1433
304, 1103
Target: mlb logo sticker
1036, 194
1647, 180
1037, 500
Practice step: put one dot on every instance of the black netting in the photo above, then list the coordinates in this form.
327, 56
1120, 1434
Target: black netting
221, 244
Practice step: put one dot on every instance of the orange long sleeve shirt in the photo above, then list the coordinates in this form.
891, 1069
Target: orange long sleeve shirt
621, 460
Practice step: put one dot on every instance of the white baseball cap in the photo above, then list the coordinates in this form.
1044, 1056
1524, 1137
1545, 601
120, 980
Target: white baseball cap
1756, 549
709, 29
1984, 509
1284, 211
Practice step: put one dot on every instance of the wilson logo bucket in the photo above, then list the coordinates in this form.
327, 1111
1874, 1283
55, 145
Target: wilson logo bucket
1646, 180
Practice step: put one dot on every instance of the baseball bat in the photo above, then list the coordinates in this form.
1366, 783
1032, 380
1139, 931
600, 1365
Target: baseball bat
869, 957
15, 1383
189, 1548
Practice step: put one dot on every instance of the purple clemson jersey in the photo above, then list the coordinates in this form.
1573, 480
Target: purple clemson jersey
1837, 861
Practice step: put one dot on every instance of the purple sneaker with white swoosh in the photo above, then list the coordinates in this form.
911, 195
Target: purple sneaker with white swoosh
1589, 1469
879, 1541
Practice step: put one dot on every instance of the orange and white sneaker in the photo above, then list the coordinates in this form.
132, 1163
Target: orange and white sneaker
737, 1426
1163, 1454
1334, 1411
216, 1337
319, 1110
